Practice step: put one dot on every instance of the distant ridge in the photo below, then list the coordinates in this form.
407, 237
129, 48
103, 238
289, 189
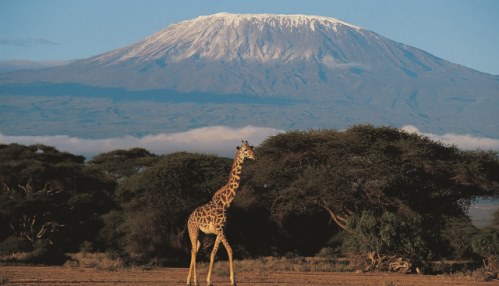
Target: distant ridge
16, 65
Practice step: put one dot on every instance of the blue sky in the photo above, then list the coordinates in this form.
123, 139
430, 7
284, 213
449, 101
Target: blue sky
461, 31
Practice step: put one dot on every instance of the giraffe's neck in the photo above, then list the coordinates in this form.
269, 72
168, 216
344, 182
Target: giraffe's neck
227, 193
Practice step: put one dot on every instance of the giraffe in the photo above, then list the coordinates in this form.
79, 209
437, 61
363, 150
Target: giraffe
210, 218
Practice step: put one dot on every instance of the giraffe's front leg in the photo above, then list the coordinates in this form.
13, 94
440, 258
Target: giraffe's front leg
192, 270
229, 253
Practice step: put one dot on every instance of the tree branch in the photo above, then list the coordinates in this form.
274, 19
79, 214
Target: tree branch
340, 221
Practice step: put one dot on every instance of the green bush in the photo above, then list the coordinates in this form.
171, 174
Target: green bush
387, 235
486, 242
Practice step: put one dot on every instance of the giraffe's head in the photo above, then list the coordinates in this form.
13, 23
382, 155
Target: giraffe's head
246, 151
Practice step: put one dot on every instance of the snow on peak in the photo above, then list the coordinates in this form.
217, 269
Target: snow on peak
257, 37
281, 19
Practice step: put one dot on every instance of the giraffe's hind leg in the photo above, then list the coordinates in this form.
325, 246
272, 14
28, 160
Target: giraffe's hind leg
212, 259
193, 235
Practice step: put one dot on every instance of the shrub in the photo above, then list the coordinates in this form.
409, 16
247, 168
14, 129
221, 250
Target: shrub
103, 261
486, 244
14, 244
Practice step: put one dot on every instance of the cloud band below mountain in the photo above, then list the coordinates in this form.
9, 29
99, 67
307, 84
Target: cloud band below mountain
466, 142
220, 140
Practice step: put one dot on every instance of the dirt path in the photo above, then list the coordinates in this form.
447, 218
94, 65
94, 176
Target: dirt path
34, 275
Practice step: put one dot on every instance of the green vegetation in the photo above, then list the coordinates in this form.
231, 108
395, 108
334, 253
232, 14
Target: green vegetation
378, 197
486, 244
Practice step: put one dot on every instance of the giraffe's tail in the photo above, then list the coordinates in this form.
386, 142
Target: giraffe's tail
198, 245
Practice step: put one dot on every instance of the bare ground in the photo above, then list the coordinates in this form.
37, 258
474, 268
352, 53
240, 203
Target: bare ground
64, 275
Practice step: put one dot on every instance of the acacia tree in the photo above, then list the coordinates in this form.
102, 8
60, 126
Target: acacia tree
28, 211
48, 199
122, 164
118, 166
375, 172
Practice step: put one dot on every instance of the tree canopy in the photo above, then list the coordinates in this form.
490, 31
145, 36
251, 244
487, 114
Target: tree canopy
49, 199
375, 181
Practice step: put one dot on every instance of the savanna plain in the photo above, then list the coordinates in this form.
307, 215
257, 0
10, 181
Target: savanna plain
248, 272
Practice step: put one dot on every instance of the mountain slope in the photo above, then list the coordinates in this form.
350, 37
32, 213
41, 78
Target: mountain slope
329, 65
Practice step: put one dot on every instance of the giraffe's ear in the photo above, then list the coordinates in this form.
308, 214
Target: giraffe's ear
238, 147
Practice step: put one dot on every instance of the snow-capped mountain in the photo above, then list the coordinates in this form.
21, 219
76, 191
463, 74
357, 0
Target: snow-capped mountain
329, 66
234, 38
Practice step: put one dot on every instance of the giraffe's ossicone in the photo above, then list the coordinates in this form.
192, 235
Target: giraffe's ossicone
210, 218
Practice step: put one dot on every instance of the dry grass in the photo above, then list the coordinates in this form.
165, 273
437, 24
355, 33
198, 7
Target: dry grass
101, 261
281, 264
17, 257
4, 280
265, 267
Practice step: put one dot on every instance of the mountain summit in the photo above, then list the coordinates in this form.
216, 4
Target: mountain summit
329, 66
235, 37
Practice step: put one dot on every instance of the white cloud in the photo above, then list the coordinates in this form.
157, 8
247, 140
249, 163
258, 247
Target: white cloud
218, 140
466, 142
